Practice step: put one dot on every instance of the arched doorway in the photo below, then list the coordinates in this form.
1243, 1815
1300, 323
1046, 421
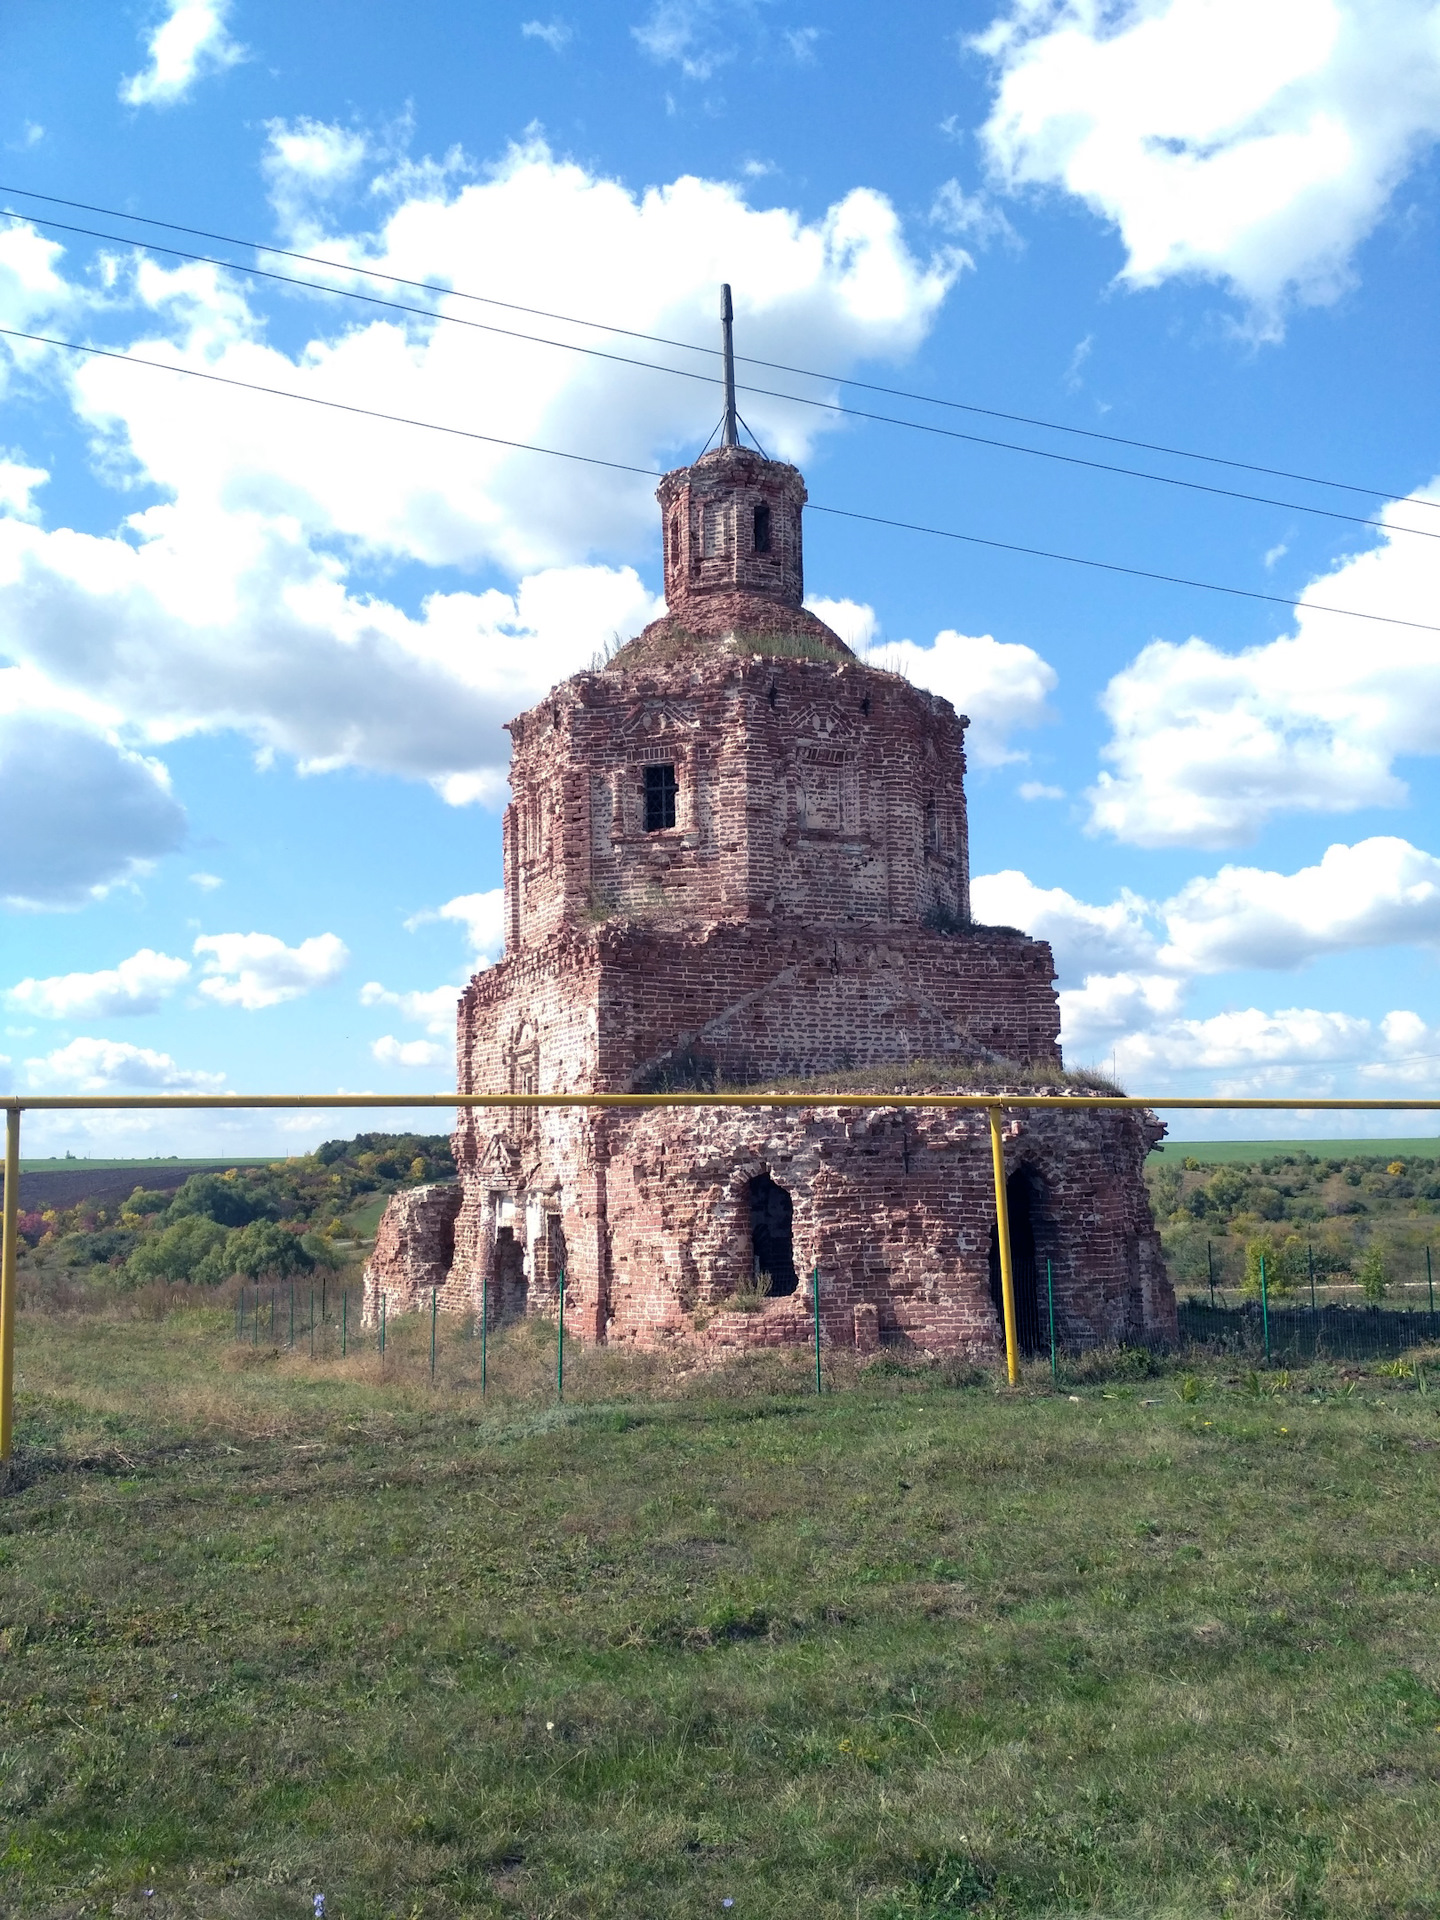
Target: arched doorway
1032, 1329
772, 1215
509, 1289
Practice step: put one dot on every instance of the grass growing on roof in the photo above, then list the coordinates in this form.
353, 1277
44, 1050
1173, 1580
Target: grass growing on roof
917, 1648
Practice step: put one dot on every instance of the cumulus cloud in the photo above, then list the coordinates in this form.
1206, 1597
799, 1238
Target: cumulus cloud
1255, 145
137, 985
1000, 684
190, 42
1128, 969
1206, 746
254, 970
1084, 938
481, 914
391, 1052
111, 1066
693, 35
1377, 893
234, 603
435, 1008
79, 813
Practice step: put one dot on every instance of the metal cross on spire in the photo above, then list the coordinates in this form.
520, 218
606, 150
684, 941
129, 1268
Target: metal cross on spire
729, 437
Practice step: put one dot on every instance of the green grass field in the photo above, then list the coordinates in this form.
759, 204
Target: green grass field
1214, 1152
916, 1649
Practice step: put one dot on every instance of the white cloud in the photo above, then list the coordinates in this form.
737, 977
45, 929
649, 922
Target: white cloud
106, 1066
234, 603
690, 34
307, 162
1253, 144
137, 985
207, 882
391, 1052
1380, 892
1085, 939
481, 914
79, 813
1206, 746
435, 1007
17, 484
1037, 790
856, 623
254, 970
1111, 1008
999, 684
189, 42
970, 216
32, 291
555, 34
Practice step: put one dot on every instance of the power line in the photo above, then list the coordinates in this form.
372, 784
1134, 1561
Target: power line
687, 346
650, 473
797, 399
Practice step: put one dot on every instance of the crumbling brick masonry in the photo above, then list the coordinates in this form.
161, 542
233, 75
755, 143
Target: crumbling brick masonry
737, 855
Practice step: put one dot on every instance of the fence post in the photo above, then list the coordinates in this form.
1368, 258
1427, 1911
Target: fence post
484, 1326
1050, 1291
292, 1314
312, 1323
255, 1321
1311, 1251
1265, 1309
382, 1334
1430, 1280
323, 1278
1002, 1235
432, 1336
1210, 1268
9, 1234
344, 1318
560, 1343
815, 1295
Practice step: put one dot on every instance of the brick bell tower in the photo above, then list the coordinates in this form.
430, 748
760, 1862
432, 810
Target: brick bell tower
738, 854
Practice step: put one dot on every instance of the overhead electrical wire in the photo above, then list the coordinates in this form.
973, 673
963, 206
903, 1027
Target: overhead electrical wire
768, 393
687, 346
650, 473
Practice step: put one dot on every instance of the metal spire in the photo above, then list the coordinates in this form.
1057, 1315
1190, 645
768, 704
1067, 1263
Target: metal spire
729, 438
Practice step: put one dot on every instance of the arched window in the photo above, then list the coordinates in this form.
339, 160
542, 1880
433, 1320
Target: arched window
761, 535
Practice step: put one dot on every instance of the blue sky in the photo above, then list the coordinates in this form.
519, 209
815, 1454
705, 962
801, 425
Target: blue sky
255, 656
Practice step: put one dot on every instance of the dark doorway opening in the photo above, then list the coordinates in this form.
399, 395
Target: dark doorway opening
761, 541
509, 1289
772, 1215
1032, 1328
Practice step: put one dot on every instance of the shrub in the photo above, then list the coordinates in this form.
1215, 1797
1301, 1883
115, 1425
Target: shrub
1372, 1275
263, 1251
1285, 1263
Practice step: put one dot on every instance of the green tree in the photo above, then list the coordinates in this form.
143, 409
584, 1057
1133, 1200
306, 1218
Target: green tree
178, 1252
217, 1196
263, 1251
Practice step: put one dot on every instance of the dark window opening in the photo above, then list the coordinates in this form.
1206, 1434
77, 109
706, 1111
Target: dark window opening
509, 1288
771, 1216
660, 791
675, 544
932, 822
1032, 1325
761, 541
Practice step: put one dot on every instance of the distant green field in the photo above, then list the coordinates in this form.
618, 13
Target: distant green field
1213, 1151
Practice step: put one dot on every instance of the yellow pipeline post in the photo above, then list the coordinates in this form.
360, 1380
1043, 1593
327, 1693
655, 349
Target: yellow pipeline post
7, 1279
1002, 1234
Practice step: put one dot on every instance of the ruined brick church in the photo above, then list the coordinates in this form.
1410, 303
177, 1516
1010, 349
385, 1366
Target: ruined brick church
737, 857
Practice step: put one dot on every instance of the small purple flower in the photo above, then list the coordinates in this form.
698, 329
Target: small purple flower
727, 1901
319, 1906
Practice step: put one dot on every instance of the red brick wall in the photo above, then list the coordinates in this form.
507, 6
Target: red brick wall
827, 793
